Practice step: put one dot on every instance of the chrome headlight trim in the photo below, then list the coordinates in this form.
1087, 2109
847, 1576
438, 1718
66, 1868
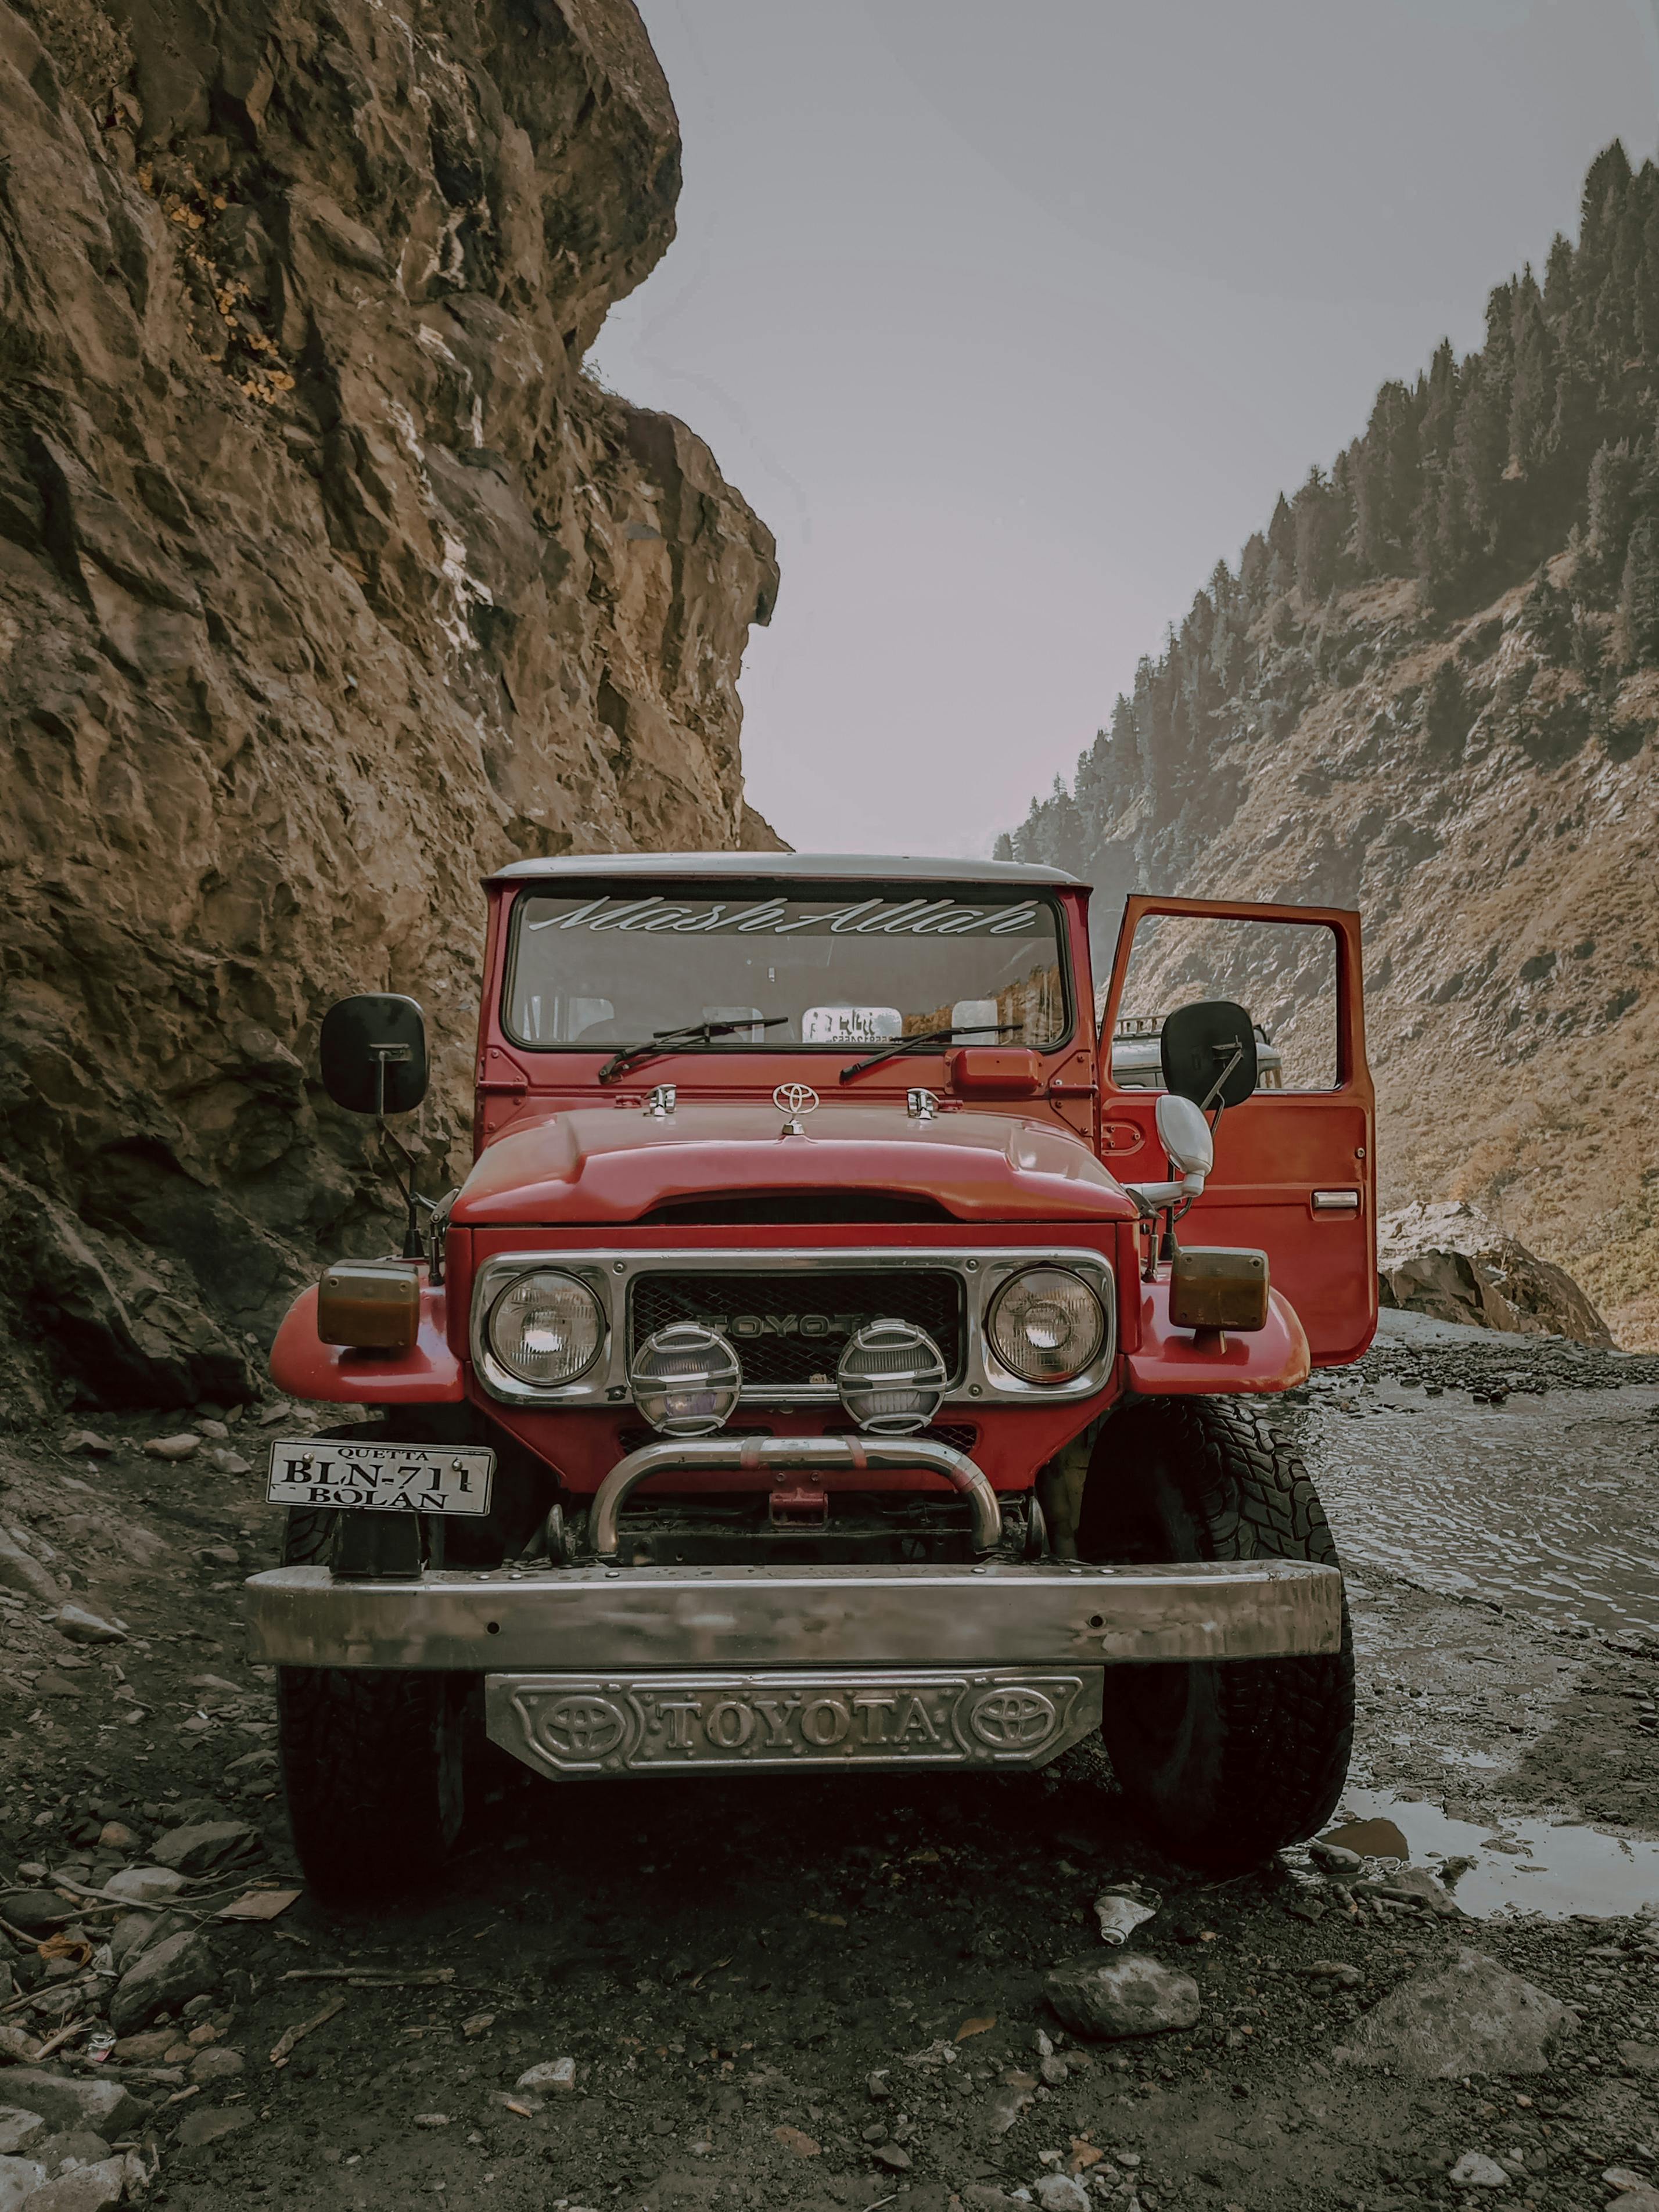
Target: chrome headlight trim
981, 1382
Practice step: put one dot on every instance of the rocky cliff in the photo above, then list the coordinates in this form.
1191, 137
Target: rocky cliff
1429, 688
328, 582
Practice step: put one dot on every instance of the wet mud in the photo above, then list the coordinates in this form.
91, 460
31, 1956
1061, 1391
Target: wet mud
776, 1991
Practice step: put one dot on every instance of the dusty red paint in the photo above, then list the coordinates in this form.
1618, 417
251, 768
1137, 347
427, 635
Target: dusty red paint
605, 1164
1171, 1363
430, 1374
1027, 1145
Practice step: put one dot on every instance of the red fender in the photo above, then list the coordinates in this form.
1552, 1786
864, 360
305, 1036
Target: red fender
1174, 1362
306, 1367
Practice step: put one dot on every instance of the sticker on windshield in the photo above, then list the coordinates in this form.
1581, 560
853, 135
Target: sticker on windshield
777, 917
851, 1025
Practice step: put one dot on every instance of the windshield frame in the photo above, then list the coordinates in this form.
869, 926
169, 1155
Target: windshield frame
800, 890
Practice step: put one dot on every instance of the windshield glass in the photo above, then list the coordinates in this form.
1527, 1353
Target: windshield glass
844, 969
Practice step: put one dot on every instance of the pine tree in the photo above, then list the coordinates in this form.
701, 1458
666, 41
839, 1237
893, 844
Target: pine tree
1320, 514
1532, 390
1635, 623
1612, 502
1281, 548
1477, 474
1387, 484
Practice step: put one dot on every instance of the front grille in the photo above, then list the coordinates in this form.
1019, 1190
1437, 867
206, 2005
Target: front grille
789, 1330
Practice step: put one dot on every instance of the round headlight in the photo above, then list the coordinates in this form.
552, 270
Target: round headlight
547, 1328
1047, 1325
891, 1377
685, 1380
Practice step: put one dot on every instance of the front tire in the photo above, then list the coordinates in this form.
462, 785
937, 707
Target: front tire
371, 1759
1223, 1761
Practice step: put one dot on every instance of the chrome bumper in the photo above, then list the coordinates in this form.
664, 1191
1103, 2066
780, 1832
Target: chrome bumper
594, 1620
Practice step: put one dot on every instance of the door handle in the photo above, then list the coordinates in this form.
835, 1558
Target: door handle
1336, 1201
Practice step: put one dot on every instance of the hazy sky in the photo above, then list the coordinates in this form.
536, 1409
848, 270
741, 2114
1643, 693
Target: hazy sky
1012, 320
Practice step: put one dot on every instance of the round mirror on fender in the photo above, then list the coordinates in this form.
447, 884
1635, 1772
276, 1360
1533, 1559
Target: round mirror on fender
1208, 1052
1185, 1135
373, 1054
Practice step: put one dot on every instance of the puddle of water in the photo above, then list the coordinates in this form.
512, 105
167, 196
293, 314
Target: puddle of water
1523, 1865
1547, 1503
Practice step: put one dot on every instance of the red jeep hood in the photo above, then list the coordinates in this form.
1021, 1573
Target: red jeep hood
613, 1164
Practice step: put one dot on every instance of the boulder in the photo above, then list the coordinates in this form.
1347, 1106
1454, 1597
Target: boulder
1136, 1996
64, 2101
164, 1977
84, 2189
18, 1571
82, 1625
1058, 2192
1469, 2016
550, 2074
1474, 2169
19, 2179
146, 1885
148, 2048
208, 1844
218, 2063
1448, 1262
19, 2128
182, 1446
37, 1912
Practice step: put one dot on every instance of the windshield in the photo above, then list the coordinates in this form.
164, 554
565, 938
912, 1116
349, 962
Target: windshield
845, 969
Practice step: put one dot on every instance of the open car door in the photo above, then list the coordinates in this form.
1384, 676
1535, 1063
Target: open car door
1295, 1162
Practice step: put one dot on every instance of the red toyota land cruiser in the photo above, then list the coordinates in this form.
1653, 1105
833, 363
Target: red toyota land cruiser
826, 1363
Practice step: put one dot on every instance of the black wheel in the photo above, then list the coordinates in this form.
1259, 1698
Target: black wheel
1224, 1761
371, 1760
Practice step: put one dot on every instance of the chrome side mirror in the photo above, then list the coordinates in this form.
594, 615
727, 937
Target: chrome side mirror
1185, 1136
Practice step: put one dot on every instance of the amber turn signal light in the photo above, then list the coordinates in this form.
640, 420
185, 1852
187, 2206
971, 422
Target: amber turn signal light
1218, 1286
373, 1305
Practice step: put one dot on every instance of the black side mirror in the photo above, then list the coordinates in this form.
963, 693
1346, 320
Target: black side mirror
1209, 1054
373, 1052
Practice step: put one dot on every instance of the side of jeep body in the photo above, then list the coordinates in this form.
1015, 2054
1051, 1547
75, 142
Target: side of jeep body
827, 1407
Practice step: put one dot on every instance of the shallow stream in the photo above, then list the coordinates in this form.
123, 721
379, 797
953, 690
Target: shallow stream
1548, 1503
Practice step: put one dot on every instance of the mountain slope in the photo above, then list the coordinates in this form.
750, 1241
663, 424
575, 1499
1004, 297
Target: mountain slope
328, 584
1431, 688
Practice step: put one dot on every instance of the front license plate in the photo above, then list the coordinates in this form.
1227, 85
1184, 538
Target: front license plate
380, 1477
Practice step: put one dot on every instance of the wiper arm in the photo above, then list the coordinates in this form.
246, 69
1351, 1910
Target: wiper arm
694, 1033
902, 1045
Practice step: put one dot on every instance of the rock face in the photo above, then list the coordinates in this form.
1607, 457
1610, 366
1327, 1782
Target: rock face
1471, 2017
328, 582
1450, 1262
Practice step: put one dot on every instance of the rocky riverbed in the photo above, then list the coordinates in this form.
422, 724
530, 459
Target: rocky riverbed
865, 1990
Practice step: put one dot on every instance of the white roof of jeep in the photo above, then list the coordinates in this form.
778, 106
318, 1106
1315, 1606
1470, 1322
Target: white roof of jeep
860, 867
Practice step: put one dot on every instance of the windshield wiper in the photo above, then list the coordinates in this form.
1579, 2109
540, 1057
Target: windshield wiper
694, 1033
928, 1036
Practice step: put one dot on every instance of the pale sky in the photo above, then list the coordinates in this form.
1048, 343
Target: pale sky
1012, 320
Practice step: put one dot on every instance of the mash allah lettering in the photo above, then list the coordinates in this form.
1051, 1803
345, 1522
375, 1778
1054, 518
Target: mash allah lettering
777, 917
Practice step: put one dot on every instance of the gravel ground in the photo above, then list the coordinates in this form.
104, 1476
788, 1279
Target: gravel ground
831, 1994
